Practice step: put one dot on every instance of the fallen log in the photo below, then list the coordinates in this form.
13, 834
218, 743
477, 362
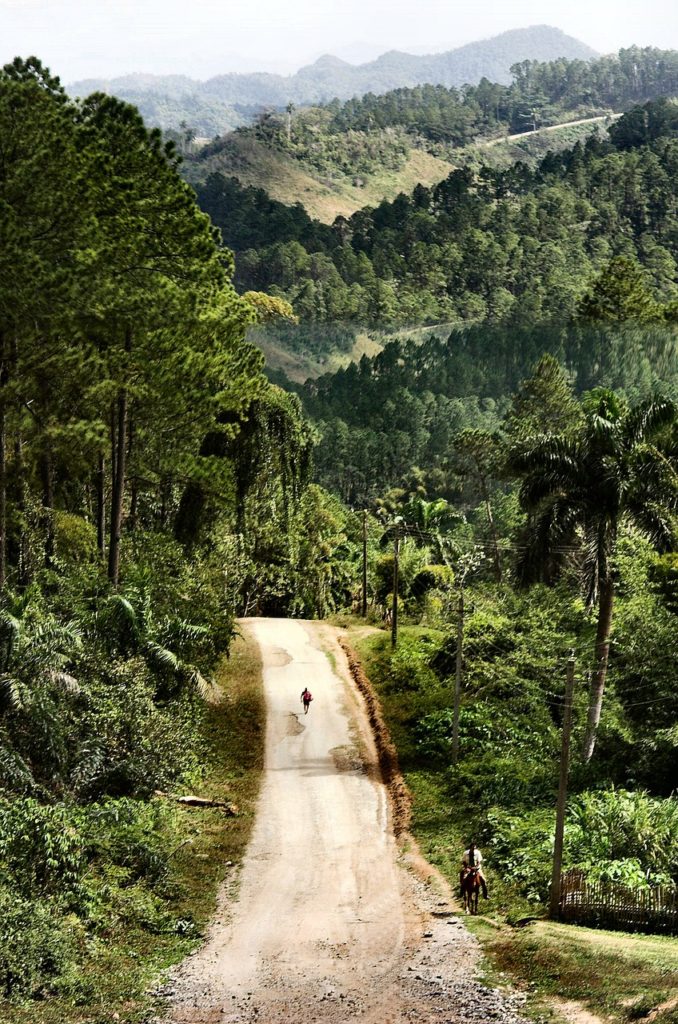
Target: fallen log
200, 801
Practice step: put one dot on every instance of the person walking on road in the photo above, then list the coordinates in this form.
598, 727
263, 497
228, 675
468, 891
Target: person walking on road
306, 698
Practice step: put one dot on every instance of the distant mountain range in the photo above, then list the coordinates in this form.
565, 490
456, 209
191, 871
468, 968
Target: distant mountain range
223, 102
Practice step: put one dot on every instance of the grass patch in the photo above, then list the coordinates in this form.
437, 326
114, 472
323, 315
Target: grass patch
116, 970
615, 974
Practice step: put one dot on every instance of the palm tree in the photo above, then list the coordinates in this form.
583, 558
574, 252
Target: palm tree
33, 655
580, 488
127, 624
426, 522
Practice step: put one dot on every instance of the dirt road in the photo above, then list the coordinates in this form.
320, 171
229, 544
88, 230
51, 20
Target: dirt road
550, 128
329, 924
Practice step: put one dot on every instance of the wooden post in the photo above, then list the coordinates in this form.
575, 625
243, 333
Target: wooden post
554, 904
394, 618
457, 678
364, 608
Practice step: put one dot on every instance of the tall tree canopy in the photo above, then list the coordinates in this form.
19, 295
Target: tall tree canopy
580, 490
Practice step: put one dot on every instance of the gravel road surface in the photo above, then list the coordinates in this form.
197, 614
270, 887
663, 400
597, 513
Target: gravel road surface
333, 920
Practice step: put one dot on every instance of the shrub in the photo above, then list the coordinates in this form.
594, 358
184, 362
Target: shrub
40, 847
502, 779
410, 664
37, 946
611, 835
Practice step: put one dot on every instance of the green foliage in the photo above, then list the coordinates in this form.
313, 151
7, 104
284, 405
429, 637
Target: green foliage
39, 848
36, 946
620, 293
613, 835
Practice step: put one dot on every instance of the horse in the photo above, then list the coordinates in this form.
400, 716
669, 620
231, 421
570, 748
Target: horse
470, 889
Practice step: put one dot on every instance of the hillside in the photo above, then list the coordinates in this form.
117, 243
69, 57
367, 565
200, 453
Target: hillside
339, 157
483, 494
484, 244
291, 181
167, 100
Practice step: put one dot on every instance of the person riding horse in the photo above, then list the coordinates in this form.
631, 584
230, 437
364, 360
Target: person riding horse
472, 860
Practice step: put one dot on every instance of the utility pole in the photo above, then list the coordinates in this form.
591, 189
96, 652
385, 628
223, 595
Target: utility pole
364, 563
394, 618
457, 678
554, 904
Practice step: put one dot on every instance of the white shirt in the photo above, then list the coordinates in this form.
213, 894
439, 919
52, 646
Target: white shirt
477, 857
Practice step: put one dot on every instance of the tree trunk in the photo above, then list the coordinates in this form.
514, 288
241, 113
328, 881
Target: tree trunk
3, 493
134, 482
101, 506
23, 573
118, 495
605, 606
118, 491
133, 504
47, 476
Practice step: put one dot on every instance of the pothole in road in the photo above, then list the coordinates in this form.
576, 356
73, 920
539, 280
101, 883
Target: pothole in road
347, 759
294, 726
279, 658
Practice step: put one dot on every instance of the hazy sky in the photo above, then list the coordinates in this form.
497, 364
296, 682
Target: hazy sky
94, 38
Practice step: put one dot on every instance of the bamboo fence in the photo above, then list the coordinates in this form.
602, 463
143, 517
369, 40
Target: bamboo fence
614, 906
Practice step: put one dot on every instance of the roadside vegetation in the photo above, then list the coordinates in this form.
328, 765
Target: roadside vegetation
525, 540
153, 485
144, 875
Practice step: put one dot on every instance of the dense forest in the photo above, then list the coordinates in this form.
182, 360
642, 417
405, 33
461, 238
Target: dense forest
154, 484
374, 138
487, 245
403, 408
444, 119
541, 93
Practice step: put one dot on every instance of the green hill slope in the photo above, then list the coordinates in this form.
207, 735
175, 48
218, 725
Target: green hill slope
484, 244
324, 196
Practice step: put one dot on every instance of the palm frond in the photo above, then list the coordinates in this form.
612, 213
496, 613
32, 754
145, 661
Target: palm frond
161, 658
549, 541
536, 487
63, 681
602, 432
10, 630
15, 774
180, 633
646, 419
11, 693
546, 452
597, 548
655, 522
205, 688
122, 615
